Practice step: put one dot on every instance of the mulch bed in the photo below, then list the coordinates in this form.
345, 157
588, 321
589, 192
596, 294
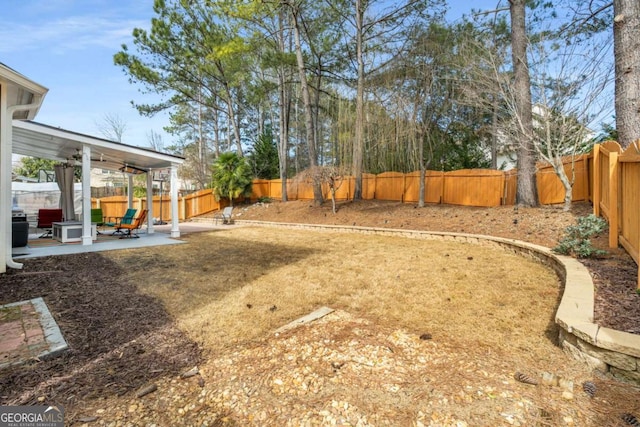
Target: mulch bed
617, 304
119, 339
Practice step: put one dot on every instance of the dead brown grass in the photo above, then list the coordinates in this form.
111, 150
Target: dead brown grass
236, 285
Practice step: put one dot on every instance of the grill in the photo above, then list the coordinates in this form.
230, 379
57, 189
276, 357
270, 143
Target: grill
18, 215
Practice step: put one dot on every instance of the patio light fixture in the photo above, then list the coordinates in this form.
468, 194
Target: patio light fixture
132, 170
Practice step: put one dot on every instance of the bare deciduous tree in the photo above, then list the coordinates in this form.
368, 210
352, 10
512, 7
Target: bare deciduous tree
568, 87
112, 127
155, 140
331, 176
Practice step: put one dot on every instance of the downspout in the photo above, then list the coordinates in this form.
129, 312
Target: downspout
7, 151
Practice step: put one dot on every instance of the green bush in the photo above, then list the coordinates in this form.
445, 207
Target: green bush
577, 241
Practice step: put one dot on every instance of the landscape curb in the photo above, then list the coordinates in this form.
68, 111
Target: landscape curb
603, 349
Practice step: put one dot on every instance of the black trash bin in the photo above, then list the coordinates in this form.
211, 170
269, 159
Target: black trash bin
19, 234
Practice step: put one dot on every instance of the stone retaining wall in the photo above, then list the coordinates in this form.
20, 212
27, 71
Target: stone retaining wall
604, 349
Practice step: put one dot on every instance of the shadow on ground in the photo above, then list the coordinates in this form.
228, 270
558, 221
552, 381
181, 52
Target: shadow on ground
119, 339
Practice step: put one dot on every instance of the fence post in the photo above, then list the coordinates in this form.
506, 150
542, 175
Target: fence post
585, 174
613, 199
404, 187
597, 177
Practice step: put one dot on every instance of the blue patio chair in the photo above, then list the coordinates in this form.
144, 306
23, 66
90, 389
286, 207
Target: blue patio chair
127, 219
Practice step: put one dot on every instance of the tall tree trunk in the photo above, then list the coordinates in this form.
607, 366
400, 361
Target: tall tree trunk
423, 171
284, 105
626, 47
308, 112
494, 134
316, 111
202, 151
233, 123
526, 192
216, 128
358, 141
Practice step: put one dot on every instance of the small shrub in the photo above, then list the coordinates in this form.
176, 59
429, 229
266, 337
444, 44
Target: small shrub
577, 238
264, 199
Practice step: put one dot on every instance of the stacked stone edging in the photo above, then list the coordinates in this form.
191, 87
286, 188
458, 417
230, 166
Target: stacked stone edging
603, 349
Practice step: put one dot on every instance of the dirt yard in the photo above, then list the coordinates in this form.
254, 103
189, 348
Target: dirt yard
411, 343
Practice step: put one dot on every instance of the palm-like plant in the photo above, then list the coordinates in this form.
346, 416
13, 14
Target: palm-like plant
231, 177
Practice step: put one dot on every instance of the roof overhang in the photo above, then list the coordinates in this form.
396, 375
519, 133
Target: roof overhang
48, 142
21, 91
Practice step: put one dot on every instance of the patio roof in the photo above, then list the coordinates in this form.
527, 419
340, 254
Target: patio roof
49, 142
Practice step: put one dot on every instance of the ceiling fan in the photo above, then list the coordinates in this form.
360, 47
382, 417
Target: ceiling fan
77, 157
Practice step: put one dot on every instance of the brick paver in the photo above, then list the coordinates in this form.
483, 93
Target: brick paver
21, 334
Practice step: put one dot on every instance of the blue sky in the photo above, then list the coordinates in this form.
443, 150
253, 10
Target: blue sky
68, 47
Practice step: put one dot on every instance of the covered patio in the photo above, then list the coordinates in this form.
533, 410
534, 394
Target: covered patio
105, 242
20, 100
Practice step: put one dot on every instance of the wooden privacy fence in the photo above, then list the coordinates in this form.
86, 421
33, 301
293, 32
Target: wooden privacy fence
198, 203
468, 187
616, 194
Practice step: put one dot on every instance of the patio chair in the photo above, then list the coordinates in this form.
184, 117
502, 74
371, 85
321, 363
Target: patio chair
46, 218
131, 230
97, 218
225, 216
127, 219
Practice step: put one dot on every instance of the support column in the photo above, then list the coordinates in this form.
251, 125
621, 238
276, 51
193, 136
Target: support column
175, 216
87, 236
150, 203
5, 180
129, 191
